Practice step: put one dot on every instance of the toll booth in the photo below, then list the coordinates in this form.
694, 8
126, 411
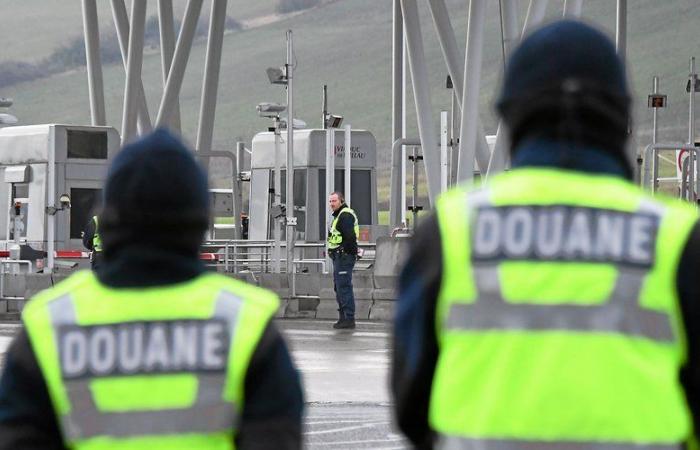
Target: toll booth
310, 202
38, 165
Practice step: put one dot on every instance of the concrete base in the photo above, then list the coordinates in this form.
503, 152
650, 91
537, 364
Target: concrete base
383, 310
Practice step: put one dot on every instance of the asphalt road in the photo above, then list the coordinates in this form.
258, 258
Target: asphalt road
345, 381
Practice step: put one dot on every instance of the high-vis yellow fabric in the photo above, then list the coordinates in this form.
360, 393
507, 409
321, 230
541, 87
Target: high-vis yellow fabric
558, 319
148, 368
96, 239
334, 236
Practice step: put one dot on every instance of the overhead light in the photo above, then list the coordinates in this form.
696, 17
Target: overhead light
5, 102
7, 119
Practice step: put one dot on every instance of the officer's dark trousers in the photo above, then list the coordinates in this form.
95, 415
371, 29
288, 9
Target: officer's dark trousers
342, 280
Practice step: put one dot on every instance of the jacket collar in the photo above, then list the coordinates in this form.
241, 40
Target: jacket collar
542, 152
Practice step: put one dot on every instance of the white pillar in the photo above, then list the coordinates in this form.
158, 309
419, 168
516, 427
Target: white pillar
133, 69
94, 63
167, 49
347, 163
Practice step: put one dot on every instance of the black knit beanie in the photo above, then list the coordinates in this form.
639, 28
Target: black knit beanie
566, 82
155, 195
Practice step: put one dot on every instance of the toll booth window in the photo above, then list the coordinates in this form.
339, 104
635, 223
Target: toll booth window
87, 144
299, 201
83, 205
20, 193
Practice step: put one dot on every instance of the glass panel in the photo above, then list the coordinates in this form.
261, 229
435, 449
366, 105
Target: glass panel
83, 206
87, 144
299, 200
361, 198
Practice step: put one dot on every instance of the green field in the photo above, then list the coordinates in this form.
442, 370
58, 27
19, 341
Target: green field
345, 44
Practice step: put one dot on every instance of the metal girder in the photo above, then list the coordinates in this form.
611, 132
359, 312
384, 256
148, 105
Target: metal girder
167, 49
397, 112
455, 65
572, 8
173, 85
621, 29
133, 69
470, 96
121, 23
94, 63
421, 92
210, 85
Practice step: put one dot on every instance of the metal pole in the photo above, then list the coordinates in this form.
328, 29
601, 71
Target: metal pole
397, 204
238, 191
133, 72
470, 95
94, 63
167, 49
171, 92
330, 171
121, 23
655, 184
277, 200
397, 117
572, 8
421, 93
454, 115
348, 164
415, 187
691, 103
443, 151
455, 64
621, 29
210, 85
291, 219
324, 106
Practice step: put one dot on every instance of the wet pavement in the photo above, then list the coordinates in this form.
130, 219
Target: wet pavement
345, 379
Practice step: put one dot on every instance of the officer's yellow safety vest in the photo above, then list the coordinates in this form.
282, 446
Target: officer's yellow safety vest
334, 236
148, 368
96, 239
558, 320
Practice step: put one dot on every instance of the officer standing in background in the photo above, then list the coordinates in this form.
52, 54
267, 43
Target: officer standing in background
151, 351
556, 307
342, 248
93, 242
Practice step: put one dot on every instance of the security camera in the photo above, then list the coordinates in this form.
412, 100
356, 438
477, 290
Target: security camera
276, 76
333, 121
65, 201
270, 109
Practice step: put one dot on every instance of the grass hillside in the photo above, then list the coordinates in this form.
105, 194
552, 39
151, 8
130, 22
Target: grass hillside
345, 44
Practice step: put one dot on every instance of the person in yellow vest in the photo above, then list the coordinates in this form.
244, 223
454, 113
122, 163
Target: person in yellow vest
342, 248
557, 305
93, 242
151, 352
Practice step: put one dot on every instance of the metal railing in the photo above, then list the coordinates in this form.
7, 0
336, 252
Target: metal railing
690, 180
244, 256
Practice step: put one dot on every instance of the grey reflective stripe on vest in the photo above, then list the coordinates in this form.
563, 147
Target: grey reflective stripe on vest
621, 313
209, 413
460, 443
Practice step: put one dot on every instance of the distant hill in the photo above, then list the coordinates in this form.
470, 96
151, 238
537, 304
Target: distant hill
345, 44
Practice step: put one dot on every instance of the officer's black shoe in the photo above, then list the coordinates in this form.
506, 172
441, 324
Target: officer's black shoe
345, 324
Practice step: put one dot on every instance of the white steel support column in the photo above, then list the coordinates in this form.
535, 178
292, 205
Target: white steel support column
572, 8
291, 218
535, 14
421, 92
207, 110
470, 96
443, 151
171, 92
121, 23
397, 113
133, 69
347, 164
94, 63
330, 181
277, 201
621, 29
167, 49
455, 66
